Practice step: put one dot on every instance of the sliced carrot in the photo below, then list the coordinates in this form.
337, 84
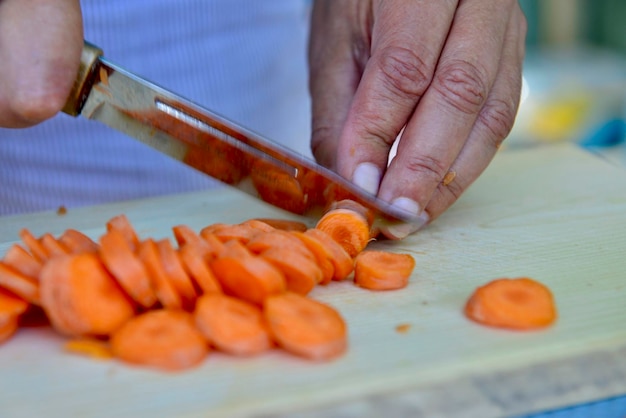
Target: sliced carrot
342, 262
22, 261
232, 325
163, 339
176, 273
283, 224
259, 225
520, 304
165, 291
349, 228
8, 328
90, 347
184, 234
214, 244
11, 305
78, 293
349, 204
322, 254
240, 232
278, 239
381, 270
77, 242
306, 327
301, 272
199, 271
51, 246
23, 286
248, 277
33, 245
122, 224
124, 264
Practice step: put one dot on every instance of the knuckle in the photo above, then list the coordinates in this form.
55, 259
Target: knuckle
404, 71
463, 85
498, 117
424, 166
35, 108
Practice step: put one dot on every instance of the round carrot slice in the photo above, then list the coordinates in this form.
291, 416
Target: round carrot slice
51, 246
79, 293
520, 304
126, 267
232, 325
77, 242
11, 305
23, 286
33, 245
342, 262
283, 224
22, 261
176, 273
380, 270
301, 273
162, 339
163, 288
322, 254
192, 259
349, 228
122, 224
306, 327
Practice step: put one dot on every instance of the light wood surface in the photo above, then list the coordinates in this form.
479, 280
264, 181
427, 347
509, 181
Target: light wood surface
556, 214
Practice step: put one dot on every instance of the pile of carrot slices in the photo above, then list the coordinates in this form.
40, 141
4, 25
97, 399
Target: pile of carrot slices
240, 289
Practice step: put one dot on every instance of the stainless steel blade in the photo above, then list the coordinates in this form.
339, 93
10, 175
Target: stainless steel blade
213, 145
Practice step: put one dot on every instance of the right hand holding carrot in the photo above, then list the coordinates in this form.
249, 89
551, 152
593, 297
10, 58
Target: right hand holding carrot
40, 47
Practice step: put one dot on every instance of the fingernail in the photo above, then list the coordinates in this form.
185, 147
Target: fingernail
412, 209
367, 177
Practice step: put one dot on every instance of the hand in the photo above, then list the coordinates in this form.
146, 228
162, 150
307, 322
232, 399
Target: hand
40, 47
447, 74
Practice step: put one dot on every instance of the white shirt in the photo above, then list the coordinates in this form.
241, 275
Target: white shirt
243, 59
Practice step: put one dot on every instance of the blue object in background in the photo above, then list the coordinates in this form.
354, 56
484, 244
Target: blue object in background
610, 134
608, 408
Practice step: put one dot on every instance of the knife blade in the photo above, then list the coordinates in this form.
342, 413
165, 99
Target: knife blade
212, 144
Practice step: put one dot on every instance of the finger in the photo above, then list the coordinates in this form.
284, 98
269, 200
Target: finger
400, 68
334, 69
40, 47
492, 125
444, 118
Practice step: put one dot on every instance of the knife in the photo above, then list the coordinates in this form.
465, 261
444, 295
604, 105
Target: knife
212, 144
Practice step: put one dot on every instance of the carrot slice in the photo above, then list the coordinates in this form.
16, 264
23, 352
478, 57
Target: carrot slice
165, 291
90, 347
381, 270
184, 234
259, 225
322, 254
519, 304
232, 325
199, 271
306, 327
22, 261
162, 339
176, 273
342, 262
248, 277
349, 228
77, 242
278, 239
78, 293
8, 328
122, 224
23, 286
33, 245
240, 232
126, 267
51, 246
283, 224
11, 306
301, 272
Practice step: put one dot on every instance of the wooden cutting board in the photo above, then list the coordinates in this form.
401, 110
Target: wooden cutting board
556, 214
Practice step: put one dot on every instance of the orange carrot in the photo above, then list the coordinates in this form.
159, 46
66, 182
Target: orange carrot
259, 225
246, 276
122, 224
22, 261
184, 234
381, 270
278, 239
51, 246
283, 224
240, 232
126, 267
306, 327
162, 339
90, 347
176, 273
11, 306
322, 254
349, 228
165, 291
342, 262
215, 246
301, 272
192, 258
23, 286
8, 328
33, 245
232, 325
80, 295
77, 242
519, 304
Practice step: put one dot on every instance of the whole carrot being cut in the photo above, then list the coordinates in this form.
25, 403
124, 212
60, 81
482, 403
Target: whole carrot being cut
232, 325
163, 339
80, 297
520, 304
380, 270
305, 327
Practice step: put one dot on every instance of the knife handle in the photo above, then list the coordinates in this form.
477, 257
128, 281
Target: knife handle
83, 82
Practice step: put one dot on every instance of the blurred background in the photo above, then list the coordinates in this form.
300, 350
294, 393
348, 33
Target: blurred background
575, 74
